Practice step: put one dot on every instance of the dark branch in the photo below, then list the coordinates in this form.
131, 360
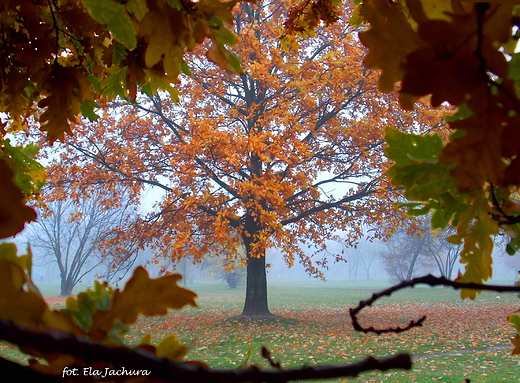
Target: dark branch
13, 372
169, 371
427, 280
329, 205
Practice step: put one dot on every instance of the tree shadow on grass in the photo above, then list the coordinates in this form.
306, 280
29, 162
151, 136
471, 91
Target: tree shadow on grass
261, 319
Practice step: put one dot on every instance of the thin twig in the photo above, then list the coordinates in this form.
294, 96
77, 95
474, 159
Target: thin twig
427, 280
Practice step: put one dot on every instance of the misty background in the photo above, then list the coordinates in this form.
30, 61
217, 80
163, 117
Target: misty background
362, 266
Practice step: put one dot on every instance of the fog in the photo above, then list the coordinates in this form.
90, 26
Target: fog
361, 267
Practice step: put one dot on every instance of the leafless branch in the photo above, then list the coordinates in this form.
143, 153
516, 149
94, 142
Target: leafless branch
166, 370
426, 280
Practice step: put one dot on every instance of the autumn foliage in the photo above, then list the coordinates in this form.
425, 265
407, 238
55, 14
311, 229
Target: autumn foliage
67, 58
285, 155
460, 53
250, 170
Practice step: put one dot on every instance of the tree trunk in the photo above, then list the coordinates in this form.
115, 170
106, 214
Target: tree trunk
66, 287
255, 305
256, 288
416, 254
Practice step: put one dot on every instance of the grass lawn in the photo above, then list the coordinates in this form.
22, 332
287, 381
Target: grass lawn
316, 330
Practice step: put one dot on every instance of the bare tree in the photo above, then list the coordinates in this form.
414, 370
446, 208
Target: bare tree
444, 253
368, 259
71, 231
408, 253
404, 256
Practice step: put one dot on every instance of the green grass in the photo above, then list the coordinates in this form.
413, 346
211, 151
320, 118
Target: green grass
317, 330
478, 367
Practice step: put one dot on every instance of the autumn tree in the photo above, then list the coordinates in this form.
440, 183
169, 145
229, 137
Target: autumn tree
66, 58
459, 52
285, 155
73, 233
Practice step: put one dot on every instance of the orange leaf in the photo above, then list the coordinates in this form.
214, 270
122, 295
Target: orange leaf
142, 295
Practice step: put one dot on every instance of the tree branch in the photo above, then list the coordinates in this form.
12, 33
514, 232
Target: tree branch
170, 371
427, 280
328, 205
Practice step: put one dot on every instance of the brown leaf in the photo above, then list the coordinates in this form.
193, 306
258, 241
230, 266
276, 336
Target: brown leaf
444, 66
13, 213
68, 88
388, 45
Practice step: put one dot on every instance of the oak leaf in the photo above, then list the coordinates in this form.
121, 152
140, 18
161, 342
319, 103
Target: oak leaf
13, 212
17, 305
68, 88
475, 146
171, 348
141, 295
114, 16
475, 228
390, 39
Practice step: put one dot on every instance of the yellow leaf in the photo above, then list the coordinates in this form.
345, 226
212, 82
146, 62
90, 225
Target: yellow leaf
477, 229
17, 305
146, 340
171, 348
8, 252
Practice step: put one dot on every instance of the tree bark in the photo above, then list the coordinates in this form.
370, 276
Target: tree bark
256, 288
414, 259
255, 305
66, 287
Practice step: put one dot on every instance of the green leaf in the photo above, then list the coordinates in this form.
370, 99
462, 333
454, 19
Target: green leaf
141, 295
441, 219
234, 62
514, 71
175, 4
215, 22
138, 8
416, 209
115, 83
95, 81
120, 53
114, 16
87, 110
29, 174
514, 319
462, 113
404, 148
185, 68
224, 36
224, 58
416, 167
513, 246
85, 305
147, 89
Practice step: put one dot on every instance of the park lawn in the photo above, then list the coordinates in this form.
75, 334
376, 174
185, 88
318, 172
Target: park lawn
315, 329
